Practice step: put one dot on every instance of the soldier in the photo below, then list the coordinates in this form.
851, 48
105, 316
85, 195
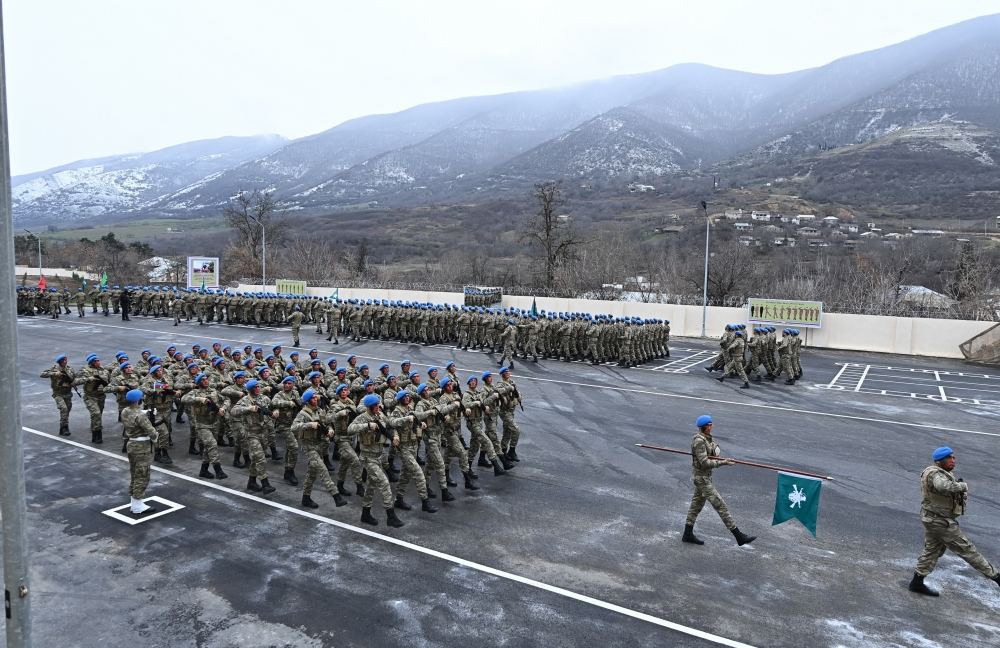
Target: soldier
427, 406
309, 425
785, 356
253, 409
122, 383
508, 339
703, 462
796, 354
159, 395
734, 360
370, 427
140, 434
511, 398
475, 408
286, 403
408, 424
944, 500
450, 407
342, 411
61, 378
207, 407
94, 379
333, 315
80, 299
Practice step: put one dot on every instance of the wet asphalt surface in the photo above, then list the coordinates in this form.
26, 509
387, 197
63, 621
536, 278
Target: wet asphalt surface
585, 511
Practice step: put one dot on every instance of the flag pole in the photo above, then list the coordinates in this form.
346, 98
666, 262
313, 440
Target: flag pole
740, 462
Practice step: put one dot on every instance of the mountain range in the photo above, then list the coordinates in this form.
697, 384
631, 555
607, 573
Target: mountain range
907, 128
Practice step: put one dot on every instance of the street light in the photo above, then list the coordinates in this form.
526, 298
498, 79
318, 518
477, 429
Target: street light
704, 292
263, 250
39, 252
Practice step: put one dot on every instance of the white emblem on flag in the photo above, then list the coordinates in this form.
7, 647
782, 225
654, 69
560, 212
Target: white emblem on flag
796, 497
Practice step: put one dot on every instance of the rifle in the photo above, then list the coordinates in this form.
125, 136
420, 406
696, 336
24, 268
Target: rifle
517, 395
211, 405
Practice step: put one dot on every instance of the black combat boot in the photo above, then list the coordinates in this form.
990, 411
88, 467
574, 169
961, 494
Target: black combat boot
996, 579
252, 485
236, 461
446, 495
401, 504
359, 489
473, 473
191, 449
275, 456
266, 487
431, 494
469, 484
391, 519
917, 585
427, 507
342, 490
721, 378
367, 517
447, 477
789, 382
204, 474
483, 462
290, 477
180, 417
64, 429
165, 458
308, 502
512, 454
507, 463
97, 436
338, 499
217, 467
689, 535
742, 538
156, 451
498, 468
745, 385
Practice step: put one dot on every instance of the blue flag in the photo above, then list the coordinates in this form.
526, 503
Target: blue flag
797, 497
534, 308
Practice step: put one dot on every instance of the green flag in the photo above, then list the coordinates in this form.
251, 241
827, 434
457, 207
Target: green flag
534, 308
104, 279
84, 284
336, 294
797, 497
203, 284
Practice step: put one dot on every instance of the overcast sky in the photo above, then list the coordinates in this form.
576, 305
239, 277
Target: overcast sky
99, 77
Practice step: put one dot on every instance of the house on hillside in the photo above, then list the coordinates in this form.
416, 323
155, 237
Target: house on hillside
760, 216
743, 227
635, 187
831, 221
870, 235
734, 214
807, 231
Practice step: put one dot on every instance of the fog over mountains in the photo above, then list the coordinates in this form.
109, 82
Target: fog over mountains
922, 114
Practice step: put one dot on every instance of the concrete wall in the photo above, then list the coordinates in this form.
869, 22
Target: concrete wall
903, 335
32, 271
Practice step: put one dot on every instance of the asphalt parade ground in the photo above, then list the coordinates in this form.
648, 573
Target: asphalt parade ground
579, 545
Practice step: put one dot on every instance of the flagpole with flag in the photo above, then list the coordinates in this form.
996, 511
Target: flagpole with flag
203, 284
534, 307
797, 496
41, 282
104, 279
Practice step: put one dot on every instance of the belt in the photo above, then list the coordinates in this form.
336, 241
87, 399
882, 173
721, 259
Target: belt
145, 438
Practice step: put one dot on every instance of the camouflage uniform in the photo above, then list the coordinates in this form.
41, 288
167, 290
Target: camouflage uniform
61, 379
141, 435
703, 449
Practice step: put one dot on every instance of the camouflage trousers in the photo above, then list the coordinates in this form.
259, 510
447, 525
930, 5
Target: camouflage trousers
796, 367
95, 405
209, 446
704, 491
295, 335
941, 534
375, 478
531, 346
316, 470
786, 366
140, 457
490, 429
348, 460
478, 439
258, 461
411, 471
454, 448
435, 460
511, 433
509, 351
65, 403
734, 365
291, 447
163, 427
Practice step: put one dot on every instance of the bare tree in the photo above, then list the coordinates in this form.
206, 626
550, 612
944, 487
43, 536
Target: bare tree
308, 259
255, 218
553, 235
732, 271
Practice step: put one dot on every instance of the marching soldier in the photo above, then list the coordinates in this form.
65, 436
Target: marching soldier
704, 451
253, 409
62, 379
94, 379
371, 426
944, 500
207, 407
309, 426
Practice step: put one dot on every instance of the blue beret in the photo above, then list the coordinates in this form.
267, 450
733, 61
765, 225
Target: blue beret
942, 453
401, 395
703, 420
289, 379
60, 357
252, 383
133, 395
371, 400
308, 395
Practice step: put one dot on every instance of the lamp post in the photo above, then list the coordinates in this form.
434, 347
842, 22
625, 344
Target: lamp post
263, 250
704, 290
37, 238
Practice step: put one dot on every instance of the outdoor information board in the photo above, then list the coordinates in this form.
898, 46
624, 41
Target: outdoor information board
203, 271
290, 287
785, 312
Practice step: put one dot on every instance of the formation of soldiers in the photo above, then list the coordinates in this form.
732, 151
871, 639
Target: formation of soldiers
599, 339
761, 355
247, 401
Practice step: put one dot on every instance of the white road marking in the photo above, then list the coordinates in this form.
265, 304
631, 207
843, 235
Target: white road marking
647, 392
641, 616
861, 380
166, 506
837, 377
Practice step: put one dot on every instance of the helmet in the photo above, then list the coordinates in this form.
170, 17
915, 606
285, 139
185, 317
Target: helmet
371, 400
133, 395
